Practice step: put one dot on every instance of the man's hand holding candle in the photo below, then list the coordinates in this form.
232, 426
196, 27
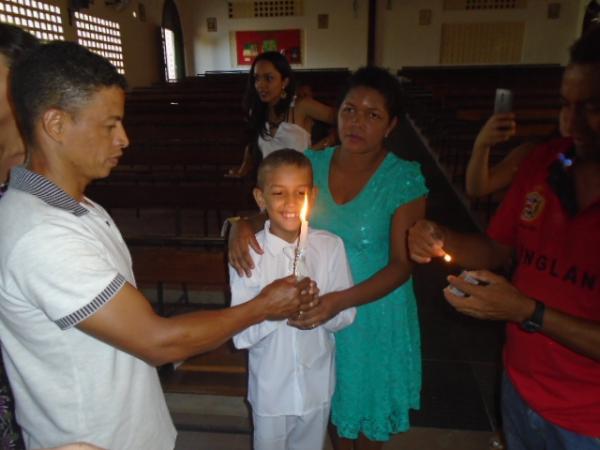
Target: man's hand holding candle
286, 297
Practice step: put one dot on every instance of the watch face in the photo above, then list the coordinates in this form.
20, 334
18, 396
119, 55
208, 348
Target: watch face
534, 323
530, 326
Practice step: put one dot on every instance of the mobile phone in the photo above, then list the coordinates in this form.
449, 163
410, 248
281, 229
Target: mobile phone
503, 102
469, 279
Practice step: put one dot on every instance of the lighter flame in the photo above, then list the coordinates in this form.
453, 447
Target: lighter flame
447, 257
304, 209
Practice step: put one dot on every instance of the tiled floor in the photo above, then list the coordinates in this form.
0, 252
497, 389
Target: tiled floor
415, 439
228, 428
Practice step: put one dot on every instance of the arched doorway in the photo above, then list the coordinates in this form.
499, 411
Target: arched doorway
172, 43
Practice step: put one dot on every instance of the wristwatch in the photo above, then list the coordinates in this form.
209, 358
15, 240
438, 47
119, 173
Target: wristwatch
535, 322
227, 225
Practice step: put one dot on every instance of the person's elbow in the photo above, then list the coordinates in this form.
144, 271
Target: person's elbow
475, 193
159, 355
400, 271
475, 188
169, 345
156, 360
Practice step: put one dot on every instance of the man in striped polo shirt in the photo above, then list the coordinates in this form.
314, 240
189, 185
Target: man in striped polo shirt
80, 341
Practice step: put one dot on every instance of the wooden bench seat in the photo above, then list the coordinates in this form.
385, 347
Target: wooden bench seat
157, 154
449, 105
211, 203
197, 262
200, 263
174, 130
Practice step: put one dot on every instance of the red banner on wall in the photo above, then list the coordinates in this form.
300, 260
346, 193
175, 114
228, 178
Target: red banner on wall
251, 43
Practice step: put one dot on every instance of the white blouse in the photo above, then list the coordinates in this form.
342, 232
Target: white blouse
287, 135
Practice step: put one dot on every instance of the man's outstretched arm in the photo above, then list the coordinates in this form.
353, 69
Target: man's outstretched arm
129, 323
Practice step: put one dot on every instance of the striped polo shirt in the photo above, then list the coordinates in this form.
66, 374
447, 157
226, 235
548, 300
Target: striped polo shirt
60, 262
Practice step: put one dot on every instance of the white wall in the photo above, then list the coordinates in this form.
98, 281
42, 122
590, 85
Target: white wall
400, 40
343, 44
142, 54
403, 42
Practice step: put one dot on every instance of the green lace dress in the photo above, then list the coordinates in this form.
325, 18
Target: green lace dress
378, 357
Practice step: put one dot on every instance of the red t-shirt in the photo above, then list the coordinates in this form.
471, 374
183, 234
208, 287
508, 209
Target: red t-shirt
558, 263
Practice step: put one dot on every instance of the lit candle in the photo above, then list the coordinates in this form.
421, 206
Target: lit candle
303, 225
447, 258
303, 237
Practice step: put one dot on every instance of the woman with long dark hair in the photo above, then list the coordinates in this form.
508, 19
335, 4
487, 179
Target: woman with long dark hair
370, 198
275, 117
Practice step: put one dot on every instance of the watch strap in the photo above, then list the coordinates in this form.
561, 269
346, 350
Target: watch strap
536, 321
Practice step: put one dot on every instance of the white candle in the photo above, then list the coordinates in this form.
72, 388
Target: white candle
302, 238
303, 225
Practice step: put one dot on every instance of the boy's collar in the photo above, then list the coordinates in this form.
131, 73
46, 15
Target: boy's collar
274, 244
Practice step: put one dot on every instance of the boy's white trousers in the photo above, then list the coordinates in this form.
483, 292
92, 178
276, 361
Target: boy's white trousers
306, 432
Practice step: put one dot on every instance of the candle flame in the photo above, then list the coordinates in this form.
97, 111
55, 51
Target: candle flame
447, 258
304, 209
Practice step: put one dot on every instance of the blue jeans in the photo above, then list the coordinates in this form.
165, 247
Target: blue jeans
524, 429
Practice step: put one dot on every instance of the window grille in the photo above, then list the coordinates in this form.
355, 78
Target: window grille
484, 4
102, 37
40, 19
265, 8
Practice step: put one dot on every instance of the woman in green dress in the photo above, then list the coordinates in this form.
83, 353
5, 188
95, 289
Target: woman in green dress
370, 198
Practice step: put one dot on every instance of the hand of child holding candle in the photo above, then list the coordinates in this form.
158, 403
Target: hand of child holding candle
426, 241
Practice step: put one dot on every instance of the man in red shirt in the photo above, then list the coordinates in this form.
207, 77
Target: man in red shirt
550, 223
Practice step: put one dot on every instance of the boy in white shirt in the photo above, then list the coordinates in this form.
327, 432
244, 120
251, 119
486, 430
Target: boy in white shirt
292, 372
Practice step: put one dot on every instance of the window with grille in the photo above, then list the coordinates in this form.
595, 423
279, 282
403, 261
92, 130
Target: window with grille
101, 36
265, 8
169, 54
491, 4
482, 43
484, 4
40, 19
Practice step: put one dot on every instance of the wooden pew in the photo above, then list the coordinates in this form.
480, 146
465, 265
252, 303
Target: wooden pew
449, 105
213, 202
178, 159
198, 264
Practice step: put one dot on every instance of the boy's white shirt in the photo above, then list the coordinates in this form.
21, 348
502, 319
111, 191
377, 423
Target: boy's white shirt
292, 371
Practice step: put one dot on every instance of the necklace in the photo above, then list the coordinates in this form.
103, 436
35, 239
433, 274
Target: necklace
274, 124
